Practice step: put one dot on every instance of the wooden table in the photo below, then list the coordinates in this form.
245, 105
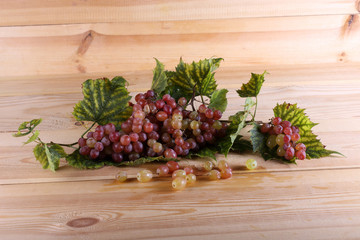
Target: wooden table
310, 48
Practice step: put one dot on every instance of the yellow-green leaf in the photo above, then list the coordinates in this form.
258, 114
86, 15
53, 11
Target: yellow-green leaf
33, 138
26, 128
253, 87
49, 156
104, 101
159, 82
218, 100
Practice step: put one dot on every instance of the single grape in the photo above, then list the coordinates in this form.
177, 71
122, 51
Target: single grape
204, 126
167, 109
82, 142
89, 134
153, 108
202, 117
139, 96
179, 183
209, 113
188, 169
170, 153
99, 146
172, 103
190, 179
276, 121
214, 175
286, 146
85, 150
200, 139
106, 141
208, 165
287, 138
161, 116
94, 153
179, 141
280, 139
288, 131
182, 101
280, 151
142, 137
285, 124
136, 128
217, 125
139, 114
208, 136
178, 150
289, 153
98, 135
178, 173
176, 124
295, 129
148, 127
133, 156
138, 147
295, 137
150, 152
153, 135
271, 141
173, 166
193, 115
300, 146
117, 157
144, 176
128, 148
121, 176
202, 108
137, 121
125, 140
278, 129
166, 97
217, 115
159, 104
301, 154
137, 107
150, 94
126, 127
157, 147
177, 133
90, 142
265, 127
165, 137
162, 170
185, 124
117, 147
196, 132
251, 164
222, 164
151, 142
134, 137
226, 173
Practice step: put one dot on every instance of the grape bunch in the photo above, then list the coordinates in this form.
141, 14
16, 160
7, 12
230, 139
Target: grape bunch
285, 137
157, 127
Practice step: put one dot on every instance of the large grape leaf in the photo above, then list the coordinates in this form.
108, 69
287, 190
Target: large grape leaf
253, 87
218, 100
159, 82
49, 156
196, 78
297, 117
237, 122
104, 101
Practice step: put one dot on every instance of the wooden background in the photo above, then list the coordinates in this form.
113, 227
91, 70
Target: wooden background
310, 48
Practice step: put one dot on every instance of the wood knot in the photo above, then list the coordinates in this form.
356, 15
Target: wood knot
86, 42
82, 222
357, 5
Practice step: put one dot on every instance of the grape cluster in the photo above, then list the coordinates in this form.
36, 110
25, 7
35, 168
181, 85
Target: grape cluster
157, 127
286, 137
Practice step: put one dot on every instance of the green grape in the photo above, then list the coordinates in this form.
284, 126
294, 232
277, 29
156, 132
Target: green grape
190, 179
178, 183
208, 165
214, 175
144, 176
222, 164
280, 151
251, 164
179, 173
271, 141
217, 125
194, 125
121, 176
280, 139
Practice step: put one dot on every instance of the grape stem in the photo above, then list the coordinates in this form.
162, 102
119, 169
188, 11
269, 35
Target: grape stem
256, 103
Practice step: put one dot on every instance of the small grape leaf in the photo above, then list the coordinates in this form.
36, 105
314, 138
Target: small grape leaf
253, 87
196, 78
218, 100
49, 156
241, 145
297, 117
28, 127
33, 138
159, 82
205, 152
104, 101
237, 122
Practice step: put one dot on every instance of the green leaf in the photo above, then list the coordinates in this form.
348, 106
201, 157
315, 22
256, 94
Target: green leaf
218, 100
238, 122
297, 117
205, 152
104, 101
252, 88
197, 77
33, 137
49, 156
241, 145
159, 82
143, 160
28, 127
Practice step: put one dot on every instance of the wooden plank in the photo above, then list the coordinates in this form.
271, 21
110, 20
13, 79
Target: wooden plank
40, 12
289, 205
96, 48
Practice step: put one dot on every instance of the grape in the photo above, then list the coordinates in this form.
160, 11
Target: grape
126, 127
166, 97
202, 108
295, 137
217, 114
90, 142
217, 125
288, 131
286, 146
176, 124
151, 142
301, 154
170, 153
98, 135
136, 128
194, 124
271, 141
153, 108
190, 179
265, 128
182, 101
178, 173
105, 141
204, 126
125, 140
133, 137
142, 137
208, 136
157, 147
159, 104
276, 121
295, 129
287, 139
179, 183
178, 150
144, 176
137, 121
173, 166
117, 147
208, 165
99, 146
214, 175
94, 153
222, 164
161, 116
226, 173
179, 141
128, 148
153, 135
196, 132
114, 136
165, 137
85, 150
172, 103
280, 139
185, 123
289, 153
280, 151
177, 133
89, 134
300, 146
139, 96
193, 115
188, 170
148, 127
162, 170
138, 147
133, 156
150, 94
285, 124
82, 142
121, 176
137, 107
209, 113
251, 164
117, 157
150, 152
200, 139
278, 129
167, 109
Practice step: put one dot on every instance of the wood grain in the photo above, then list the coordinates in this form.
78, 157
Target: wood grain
321, 204
94, 49
39, 12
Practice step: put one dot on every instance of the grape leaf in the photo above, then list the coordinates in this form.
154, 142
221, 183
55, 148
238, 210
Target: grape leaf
218, 100
196, 78
28, 127
205, 152
159, 82
33, 138
297, 117
49, 156
144, 160
237, 122
104, 101
241, 145
252, 88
